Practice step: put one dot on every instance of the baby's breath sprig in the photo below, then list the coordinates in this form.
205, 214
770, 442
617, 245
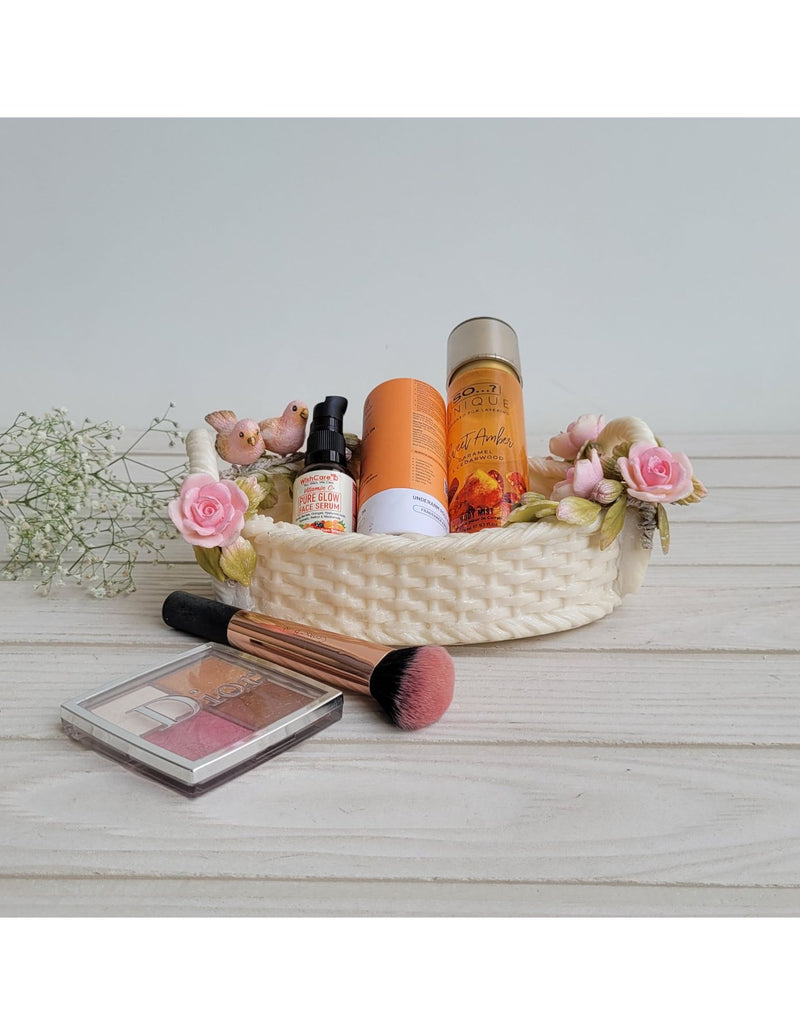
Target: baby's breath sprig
77, 507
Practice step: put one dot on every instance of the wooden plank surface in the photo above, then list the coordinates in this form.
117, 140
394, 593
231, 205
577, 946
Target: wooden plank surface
225, 897
642, 765
532, 694
743, 617
407, 810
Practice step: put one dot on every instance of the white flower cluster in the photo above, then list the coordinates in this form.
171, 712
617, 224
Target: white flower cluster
76, 506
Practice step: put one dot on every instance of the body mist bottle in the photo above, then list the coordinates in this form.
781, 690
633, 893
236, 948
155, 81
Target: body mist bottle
487, 465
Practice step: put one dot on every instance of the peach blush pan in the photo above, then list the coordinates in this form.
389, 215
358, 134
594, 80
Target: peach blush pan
202, 718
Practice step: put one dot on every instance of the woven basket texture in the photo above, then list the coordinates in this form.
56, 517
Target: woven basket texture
497, 584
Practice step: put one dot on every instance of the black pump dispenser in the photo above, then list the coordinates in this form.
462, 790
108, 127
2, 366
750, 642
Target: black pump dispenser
326, 443
324, 493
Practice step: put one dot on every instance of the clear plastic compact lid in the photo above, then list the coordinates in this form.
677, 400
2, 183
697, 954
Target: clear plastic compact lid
203, 717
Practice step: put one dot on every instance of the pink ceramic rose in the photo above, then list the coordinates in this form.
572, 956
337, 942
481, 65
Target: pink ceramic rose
570, 442
209, 512
655, 475
582, 479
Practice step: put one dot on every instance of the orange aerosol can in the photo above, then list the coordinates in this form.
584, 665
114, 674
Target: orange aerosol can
403, 486
487, 463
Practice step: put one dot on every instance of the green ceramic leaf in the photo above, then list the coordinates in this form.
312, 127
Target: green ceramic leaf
238, 561
535, 510
663, 528
699, 492
613, 522
208, 559
270, 487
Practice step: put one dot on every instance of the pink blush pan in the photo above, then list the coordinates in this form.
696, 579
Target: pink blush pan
203, 734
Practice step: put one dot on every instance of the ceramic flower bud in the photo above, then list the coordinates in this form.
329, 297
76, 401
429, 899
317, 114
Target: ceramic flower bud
607, 490
588, 474
577, 511
582, 479
255, 490
570, 442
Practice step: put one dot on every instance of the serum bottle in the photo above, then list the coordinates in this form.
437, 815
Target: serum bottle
324, 494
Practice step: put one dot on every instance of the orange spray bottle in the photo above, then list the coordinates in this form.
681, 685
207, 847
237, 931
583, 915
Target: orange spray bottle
487, 464
403, 484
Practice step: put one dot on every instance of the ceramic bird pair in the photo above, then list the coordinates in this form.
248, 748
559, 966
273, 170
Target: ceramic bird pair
242, 442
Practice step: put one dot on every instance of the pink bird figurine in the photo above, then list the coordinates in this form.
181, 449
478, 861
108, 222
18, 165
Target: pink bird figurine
285, 434
238, 441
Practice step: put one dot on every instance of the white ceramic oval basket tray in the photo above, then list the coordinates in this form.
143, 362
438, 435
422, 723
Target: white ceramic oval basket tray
525, 579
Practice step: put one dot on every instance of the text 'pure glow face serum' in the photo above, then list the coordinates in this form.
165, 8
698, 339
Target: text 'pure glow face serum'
324, 494
487, 463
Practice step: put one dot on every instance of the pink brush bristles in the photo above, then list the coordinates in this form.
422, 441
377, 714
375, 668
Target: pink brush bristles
414, 685
426, 688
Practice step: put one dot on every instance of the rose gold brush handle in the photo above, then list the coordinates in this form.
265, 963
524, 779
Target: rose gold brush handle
341, 661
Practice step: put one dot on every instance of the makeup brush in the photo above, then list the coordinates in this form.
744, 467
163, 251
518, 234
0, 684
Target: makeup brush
413, 685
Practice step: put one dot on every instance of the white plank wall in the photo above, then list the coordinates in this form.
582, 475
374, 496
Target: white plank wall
648, 764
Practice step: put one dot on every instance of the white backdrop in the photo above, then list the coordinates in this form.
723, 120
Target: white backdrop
649, 266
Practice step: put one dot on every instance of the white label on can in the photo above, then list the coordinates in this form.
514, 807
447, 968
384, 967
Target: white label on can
403, 510
325, 500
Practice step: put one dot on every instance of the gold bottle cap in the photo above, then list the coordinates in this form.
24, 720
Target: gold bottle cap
482, 337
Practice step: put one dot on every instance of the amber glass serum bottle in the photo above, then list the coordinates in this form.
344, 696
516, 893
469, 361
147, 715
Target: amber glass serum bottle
487, 463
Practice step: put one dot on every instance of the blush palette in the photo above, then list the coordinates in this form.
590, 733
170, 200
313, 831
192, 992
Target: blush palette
202, 718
